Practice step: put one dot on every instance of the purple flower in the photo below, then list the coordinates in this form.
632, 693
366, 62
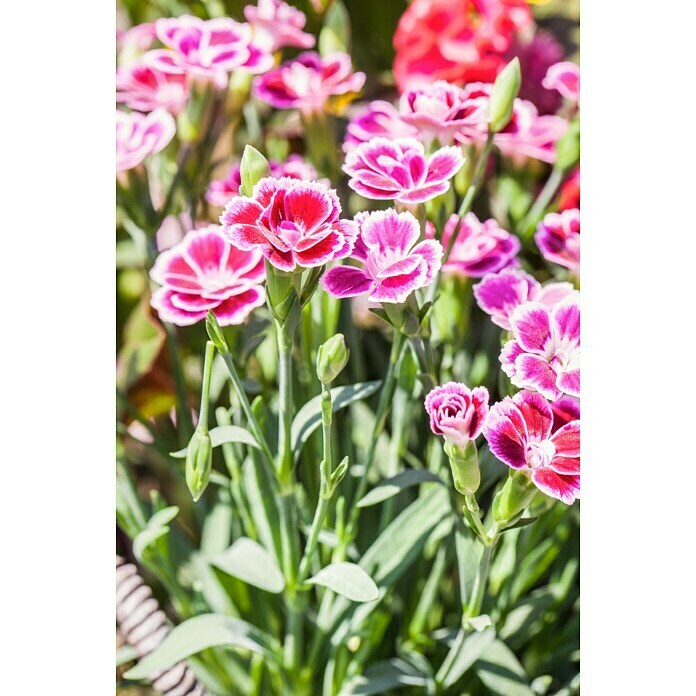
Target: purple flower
457, 412
380, 118
519, 433
140, 135
565, 78
545, 352
392, 266
499, 294
558, 238
399, 170
276, 25
481, 247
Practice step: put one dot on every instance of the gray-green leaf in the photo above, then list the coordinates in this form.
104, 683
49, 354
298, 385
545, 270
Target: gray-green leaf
391, 486
380, 678
222, 434
252, 563
347, 579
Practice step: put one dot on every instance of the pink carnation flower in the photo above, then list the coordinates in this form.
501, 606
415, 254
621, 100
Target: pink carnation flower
558, 238
457, 412
399, 170
518, 431
379, 118
307, 82
565, 410
545, 352
203, 272
565, 78
145, 88
207, 49
133, 42
481, 247
276, 25
139, 135
220, 191
294, 223
392, 266
500, 294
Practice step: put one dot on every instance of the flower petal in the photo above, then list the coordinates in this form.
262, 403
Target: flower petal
530, 324
563, 488
346, 281
534, 372
537, 414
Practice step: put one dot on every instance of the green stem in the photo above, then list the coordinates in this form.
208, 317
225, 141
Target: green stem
536, 212
480, 581
185, 424
285, 407
205, 389
474, 511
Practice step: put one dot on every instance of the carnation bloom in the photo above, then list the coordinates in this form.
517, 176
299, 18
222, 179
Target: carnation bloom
480, 247
207, 49
500, 294
139, 135
307, 82
394, 264
220, 191
459, 41
545, 352
276, 25
294, 223
565, 410
558, 238
399, 170
204, 272
519, 433
457, 412
145, 88
564, 77
379, 118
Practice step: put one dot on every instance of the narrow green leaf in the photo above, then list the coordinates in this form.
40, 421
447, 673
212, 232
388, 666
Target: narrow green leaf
347, 579
394, 485
126, 653
252, 563
501, 672
475, 645
156, 528
383, 676
335, 34
223, 434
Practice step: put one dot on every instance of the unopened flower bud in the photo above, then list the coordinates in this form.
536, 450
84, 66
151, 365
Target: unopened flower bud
465, 467
215, 332
514, 498
199, 462
568, 147
254, 167
505, 91
332, 357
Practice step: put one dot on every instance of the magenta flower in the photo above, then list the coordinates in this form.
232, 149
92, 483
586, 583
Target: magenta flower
565, 78
294, 223
139, 135
565, 410
204, 272
145, 88
207, 49
457, 412
276, 25
394, 264
307, 82
558, 238
399, 170
220, 191
545, 352
500, 294
380, 118
480, 248
518, 431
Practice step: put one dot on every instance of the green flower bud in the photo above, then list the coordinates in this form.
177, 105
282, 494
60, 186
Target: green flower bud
514, 498
215, 332
199, 462
254, 167
505, 90
465, 466
332, 357
568, 147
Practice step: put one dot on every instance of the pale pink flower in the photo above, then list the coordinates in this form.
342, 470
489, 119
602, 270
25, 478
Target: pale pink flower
277, 24
558, 238
294, 223
379, 118
545, 352
139, 135
308, 82
133, 42
500, 294
204, 272
519, 433
394, 263
144, 88
457, 412
399, 169
564, 77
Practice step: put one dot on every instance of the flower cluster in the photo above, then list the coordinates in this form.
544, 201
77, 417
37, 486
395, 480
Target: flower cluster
558, 238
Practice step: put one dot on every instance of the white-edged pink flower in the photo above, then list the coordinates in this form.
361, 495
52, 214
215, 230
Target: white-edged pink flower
133, 42
294, 223
144, 88
394, 264
207, 49
205, 272
399, 170
379, 118
564, 77
519, 433
139, 135
480, 247
457, 412
545, 352
500, 294
307, 82
558, 238
277, 24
